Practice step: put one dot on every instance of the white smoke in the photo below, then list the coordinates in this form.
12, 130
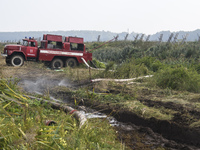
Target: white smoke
41, 85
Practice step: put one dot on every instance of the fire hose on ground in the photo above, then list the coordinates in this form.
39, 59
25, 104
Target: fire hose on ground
116, 80
121, 80
77, 114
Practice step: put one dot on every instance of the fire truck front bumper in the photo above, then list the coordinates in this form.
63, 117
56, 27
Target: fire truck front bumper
4, 55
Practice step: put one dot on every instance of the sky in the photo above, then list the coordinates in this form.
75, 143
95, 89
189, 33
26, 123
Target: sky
139, 16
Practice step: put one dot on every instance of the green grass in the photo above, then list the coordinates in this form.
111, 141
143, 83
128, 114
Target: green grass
127, 101
23, 126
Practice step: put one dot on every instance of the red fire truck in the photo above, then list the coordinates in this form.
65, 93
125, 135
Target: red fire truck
53, 50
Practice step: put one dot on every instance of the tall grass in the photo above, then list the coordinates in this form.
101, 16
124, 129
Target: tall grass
22, 125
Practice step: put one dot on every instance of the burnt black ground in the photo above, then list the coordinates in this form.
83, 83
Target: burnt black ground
151, 132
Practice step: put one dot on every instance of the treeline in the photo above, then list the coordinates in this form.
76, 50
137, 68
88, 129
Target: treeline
120, 51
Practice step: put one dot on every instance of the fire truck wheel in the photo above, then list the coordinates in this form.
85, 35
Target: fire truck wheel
8, 61
57, 64
17, 60
71, 62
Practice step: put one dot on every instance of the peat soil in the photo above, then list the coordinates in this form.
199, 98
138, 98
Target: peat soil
135, 131
150, 132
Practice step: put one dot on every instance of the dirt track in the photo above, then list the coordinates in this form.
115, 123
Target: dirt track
135, 131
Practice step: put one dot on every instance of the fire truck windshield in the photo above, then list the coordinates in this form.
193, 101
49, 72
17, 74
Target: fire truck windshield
25, 43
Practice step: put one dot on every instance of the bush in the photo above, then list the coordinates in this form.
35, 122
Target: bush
178, 78
155, 66
150, 62
98, 63
130, 69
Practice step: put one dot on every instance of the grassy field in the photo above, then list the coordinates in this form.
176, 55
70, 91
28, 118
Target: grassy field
171, 98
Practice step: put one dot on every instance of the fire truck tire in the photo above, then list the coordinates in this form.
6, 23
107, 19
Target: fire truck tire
71, 62
17, 61
57, 63
8, 61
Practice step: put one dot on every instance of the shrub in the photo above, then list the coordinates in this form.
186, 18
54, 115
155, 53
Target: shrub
178, 78
130, 69
99, 64
150, 62
155, 66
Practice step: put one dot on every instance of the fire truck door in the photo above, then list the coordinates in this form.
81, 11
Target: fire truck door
31, 50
